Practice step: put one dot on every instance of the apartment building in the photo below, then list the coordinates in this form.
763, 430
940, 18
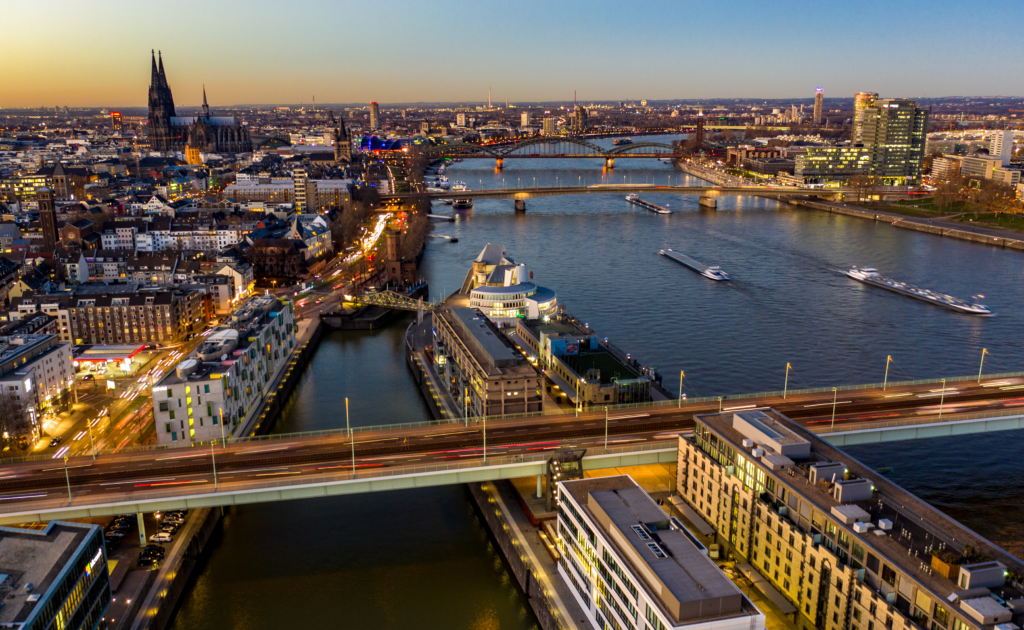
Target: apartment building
149, 317
845, 547
228, 376
36, 368
631, 566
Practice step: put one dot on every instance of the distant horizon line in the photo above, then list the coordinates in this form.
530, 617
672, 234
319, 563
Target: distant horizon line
401, 104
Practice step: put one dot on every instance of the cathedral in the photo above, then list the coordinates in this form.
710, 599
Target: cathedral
169, 132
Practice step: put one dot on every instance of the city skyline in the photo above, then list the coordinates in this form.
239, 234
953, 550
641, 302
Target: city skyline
419, 54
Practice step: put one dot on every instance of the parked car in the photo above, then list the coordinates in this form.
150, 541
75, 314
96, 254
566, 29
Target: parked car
111, 542
114, 533
158, 549
161, 537
148, 561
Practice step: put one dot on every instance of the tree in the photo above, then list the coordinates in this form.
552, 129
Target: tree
14, 420
864, 185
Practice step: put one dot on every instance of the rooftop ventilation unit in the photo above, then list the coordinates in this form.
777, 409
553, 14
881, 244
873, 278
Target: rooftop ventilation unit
748, 443
641, 532
656, 550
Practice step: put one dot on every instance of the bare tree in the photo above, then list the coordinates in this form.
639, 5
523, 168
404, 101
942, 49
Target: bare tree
864, 185
15, 423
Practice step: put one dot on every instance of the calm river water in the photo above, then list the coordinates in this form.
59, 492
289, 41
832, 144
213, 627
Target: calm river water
424, 558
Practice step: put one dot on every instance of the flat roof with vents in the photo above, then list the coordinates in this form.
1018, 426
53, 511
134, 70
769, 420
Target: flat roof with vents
687, 584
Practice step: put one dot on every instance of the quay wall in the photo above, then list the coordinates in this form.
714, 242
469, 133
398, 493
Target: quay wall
181, 568
419, 373
272, 406
517, 561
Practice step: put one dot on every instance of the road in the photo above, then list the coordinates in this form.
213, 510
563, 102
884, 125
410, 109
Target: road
138, 474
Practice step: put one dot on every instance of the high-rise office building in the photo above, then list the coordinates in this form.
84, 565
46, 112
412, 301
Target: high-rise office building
1002, 146
894, 132
460, 119
861, 101
524, 119
550, 127
116, 122
374, 116
47, 218
579, 120
305, 190
819, 97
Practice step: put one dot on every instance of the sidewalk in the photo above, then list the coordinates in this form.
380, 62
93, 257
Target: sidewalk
570, 614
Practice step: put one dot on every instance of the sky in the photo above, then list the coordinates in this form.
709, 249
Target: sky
96, 53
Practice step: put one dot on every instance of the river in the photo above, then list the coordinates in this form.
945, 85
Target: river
424, 558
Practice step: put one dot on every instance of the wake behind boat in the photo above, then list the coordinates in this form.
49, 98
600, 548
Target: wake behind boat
869, 275
713, 272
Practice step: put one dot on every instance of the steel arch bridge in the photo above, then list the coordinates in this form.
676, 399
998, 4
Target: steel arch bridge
561, 147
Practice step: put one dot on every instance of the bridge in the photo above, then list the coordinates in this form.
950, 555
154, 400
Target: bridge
326, 463
706, 192
559, 147
391, 299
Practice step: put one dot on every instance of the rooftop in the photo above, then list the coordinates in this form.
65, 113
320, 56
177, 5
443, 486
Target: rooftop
490, 347
674, 571
35, 557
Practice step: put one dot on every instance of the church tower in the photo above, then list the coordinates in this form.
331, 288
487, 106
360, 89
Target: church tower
342, 143
161, 107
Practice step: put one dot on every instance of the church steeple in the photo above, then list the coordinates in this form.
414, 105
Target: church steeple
154, 77
163, 77
206, 108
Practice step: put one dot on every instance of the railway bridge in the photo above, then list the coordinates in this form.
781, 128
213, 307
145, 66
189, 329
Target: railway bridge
560, 147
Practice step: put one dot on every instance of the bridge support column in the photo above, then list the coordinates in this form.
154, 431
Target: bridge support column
708, 202
142, 529
540, 489
499, 163
520, 205
609, 162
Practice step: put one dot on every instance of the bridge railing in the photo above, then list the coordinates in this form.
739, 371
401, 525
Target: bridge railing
477, 420
343, 474
825, 429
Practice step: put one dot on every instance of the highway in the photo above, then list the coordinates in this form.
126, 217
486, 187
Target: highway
131, 476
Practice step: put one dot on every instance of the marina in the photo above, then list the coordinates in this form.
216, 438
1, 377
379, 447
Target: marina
712, 272
635, 199
869, 275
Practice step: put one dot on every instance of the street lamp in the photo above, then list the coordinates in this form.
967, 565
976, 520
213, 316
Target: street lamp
983, 353
680, 389
606, 429
888, 360
834, 394
351, 438
785, 387
213, 457
67, 477
942, 397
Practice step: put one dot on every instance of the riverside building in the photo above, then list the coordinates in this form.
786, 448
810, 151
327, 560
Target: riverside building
832, 165
227, 378
53, 578
504, 290
893, 130
842, 547
630, 566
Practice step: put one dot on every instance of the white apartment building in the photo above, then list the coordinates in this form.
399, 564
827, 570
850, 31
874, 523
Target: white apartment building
36, 368
630, 565
228, 376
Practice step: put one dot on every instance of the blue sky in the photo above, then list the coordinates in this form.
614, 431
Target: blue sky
96, 53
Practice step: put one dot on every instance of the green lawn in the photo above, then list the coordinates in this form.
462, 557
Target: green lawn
1002, 221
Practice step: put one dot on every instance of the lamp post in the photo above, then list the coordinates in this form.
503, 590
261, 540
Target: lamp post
888, 360
834, 394
785, 387
213, 458
983, 353
92, 445
351, 438
223, 438
680, 389
67, 478
719, 404
465, 404
485, 439
606, 429
942, 398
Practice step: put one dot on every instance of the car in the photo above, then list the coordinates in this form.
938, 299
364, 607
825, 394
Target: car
119, 527
113, 533
174, 521
161, 537
87, 377
147, 561
55, 441
152, 554
169, 527
154, 548
111, 542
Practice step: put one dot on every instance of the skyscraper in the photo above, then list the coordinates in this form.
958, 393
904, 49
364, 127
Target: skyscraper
47, 218
861, 101
550, 127
1002, 146
460, 119
894, 132
819, 97
374, 116
524, 119
116, 122
305, 190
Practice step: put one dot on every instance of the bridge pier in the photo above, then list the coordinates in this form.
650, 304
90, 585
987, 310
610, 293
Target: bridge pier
520, 205
708, 202
609, 163
499, 163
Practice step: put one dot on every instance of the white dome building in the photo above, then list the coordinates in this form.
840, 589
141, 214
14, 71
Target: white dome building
504, 290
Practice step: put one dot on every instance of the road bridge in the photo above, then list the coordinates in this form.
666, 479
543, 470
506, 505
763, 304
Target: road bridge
324, 463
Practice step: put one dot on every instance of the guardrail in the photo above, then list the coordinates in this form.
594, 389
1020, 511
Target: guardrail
475, 420
342, 475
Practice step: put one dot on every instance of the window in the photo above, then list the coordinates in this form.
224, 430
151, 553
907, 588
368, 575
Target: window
172, 415
941, 616
888, 575
207, 389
